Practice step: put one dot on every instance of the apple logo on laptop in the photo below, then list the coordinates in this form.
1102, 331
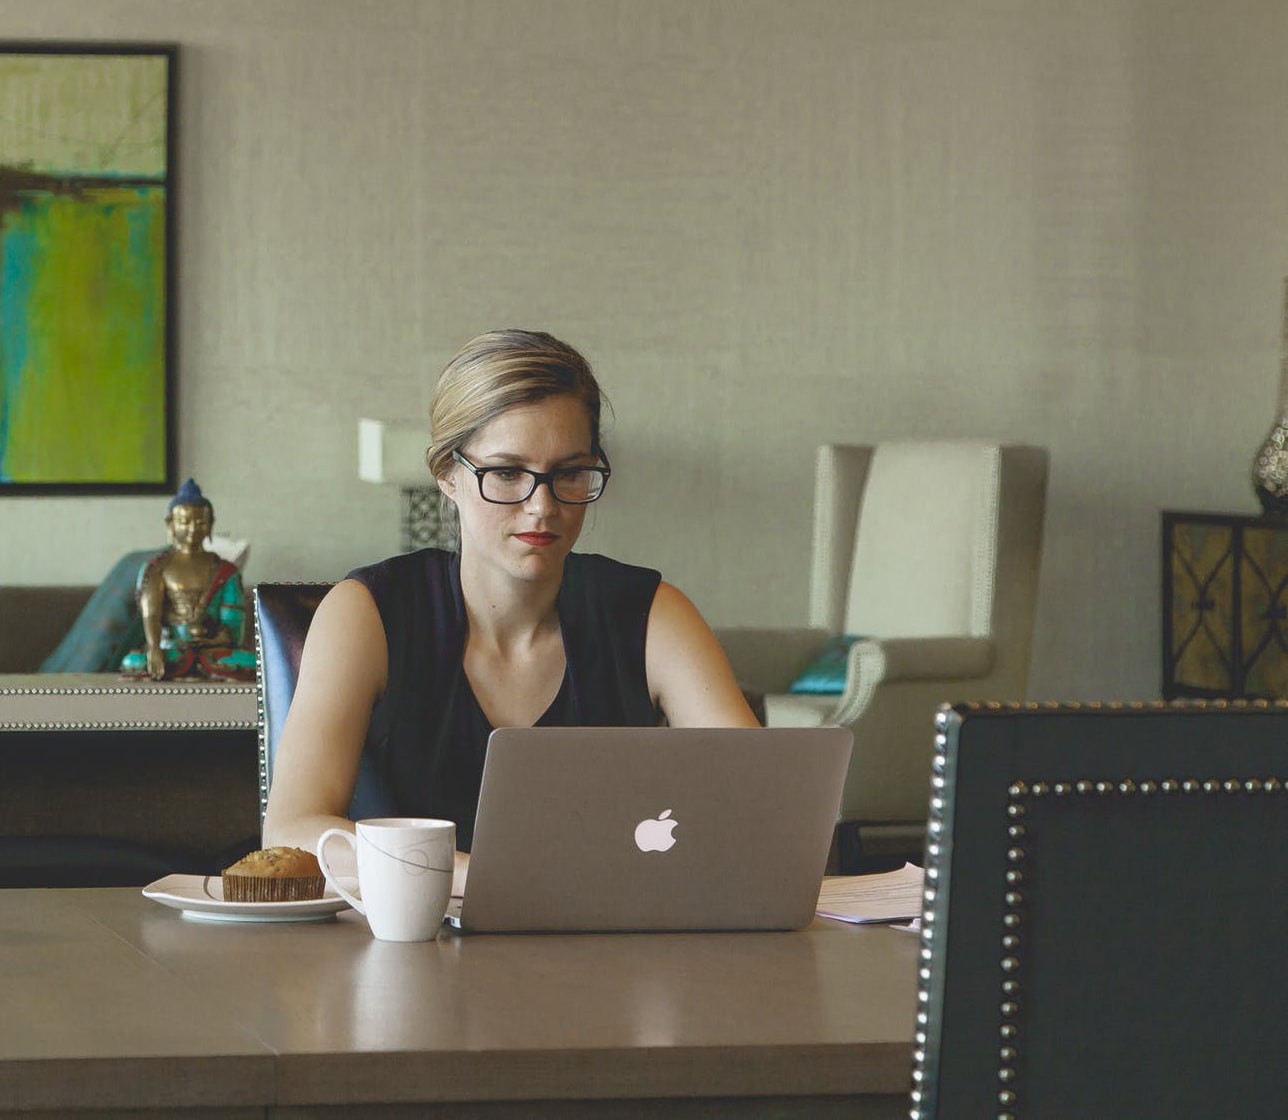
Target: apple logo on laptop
653, 834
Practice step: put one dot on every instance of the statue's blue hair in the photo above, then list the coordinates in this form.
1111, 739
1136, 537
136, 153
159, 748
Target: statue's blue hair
189, 495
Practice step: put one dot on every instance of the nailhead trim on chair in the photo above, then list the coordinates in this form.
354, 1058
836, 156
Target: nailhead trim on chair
261, 725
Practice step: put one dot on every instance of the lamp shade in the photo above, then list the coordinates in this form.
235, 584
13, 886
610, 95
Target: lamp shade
392, 451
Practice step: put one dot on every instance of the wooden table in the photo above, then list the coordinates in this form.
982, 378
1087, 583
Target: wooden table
116, 1003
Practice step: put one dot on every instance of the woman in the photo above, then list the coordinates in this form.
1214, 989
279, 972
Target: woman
411, 662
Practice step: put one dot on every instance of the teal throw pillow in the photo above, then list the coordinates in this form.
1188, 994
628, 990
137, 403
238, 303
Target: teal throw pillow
108, 626
826, 674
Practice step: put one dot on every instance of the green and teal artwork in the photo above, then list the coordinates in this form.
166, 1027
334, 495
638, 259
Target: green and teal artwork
86, 229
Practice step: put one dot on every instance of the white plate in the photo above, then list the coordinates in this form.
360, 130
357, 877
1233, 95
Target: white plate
201, 898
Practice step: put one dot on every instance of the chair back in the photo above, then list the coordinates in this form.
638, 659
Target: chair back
283, 613
933, 538
1105, 924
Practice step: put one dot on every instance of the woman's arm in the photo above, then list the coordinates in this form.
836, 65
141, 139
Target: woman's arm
342, 673
688, 673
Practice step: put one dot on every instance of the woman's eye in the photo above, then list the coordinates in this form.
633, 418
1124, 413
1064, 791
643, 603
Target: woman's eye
505, 474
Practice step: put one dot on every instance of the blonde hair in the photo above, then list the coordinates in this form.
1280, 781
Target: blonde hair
498, 371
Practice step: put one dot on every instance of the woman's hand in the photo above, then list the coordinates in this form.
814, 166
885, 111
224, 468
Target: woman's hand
459, 873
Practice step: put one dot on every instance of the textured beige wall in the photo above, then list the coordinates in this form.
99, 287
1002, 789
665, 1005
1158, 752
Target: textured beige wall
769, 223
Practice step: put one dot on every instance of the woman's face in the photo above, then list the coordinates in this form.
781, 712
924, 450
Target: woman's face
528, 540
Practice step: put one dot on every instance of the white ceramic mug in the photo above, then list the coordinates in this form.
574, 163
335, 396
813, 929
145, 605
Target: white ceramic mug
404, 874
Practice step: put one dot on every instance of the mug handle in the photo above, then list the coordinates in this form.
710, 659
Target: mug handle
350, 839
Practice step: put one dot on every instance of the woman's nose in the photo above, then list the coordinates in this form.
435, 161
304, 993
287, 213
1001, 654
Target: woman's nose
542, 498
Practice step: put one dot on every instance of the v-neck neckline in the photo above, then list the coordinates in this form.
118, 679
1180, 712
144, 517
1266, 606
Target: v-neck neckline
565, 694
559, 701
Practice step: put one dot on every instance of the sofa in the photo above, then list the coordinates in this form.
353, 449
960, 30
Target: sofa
35, 620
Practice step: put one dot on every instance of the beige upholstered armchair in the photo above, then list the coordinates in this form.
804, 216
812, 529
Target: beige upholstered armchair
929, 552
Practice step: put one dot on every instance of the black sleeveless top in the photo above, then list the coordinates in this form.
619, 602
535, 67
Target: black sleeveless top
428, 735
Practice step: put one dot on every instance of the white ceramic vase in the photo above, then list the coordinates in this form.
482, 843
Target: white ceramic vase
1270, 466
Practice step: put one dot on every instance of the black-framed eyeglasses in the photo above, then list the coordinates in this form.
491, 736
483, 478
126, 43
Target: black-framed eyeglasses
508, 486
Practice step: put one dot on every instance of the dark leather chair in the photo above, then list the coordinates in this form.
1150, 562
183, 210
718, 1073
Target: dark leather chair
283, 612
1106, 920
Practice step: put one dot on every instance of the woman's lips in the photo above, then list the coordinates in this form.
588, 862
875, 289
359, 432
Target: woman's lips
538, 539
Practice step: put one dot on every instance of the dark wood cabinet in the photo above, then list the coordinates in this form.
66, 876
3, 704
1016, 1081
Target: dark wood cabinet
106, 782
1225, 606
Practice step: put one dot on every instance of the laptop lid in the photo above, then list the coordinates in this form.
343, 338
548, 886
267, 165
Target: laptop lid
653, 828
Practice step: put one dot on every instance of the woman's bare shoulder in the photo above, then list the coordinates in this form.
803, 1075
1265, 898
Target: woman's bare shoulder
346, 632
688, 673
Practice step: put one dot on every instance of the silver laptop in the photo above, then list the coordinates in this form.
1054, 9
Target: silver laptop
653, 828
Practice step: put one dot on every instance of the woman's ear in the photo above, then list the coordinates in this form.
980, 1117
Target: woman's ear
447, 487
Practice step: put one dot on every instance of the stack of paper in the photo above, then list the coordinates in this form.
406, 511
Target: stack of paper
895, 896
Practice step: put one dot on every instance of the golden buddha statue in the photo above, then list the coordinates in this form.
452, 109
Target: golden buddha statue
191, 602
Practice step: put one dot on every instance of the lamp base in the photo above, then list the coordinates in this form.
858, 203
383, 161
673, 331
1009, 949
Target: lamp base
424, 523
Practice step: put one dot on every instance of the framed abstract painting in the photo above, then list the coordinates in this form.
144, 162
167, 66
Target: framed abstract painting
86, 268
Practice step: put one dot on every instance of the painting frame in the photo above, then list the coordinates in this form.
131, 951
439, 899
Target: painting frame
87, 267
